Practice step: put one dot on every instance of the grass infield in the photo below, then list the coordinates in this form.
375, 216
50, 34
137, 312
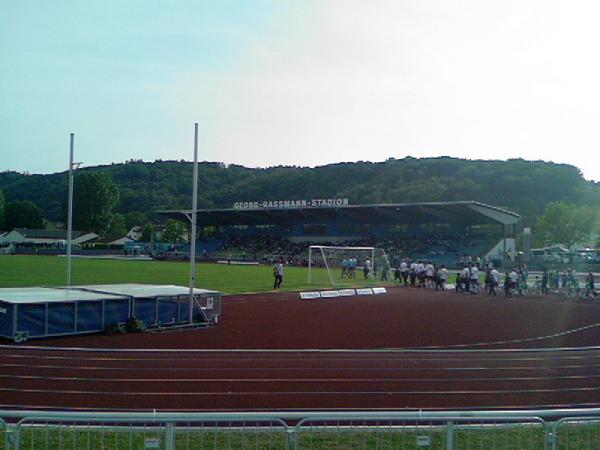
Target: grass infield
20, 271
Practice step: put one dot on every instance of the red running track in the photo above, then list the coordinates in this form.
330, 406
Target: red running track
276, 352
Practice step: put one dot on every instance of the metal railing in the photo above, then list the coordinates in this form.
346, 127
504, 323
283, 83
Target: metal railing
386, 433
489, 430
576, 433
162, 432
3, 435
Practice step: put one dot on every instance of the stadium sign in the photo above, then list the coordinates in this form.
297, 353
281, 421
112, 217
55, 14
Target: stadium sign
315, 202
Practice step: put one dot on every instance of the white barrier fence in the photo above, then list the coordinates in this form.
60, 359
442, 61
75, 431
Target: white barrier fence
539, 429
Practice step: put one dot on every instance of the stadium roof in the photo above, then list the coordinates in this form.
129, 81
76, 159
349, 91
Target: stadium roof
462, 212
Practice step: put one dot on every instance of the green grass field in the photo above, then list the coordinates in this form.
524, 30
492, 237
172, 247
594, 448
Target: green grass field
18, 271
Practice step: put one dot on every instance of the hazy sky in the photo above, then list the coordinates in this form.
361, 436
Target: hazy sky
299, 82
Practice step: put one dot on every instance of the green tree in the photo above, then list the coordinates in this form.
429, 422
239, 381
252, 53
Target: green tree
2, 210
565, 223
135, 218
23, 214
117, 225
94, 198
174, 232
147, 232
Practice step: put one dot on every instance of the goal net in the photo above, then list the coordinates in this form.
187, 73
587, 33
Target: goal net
346, 265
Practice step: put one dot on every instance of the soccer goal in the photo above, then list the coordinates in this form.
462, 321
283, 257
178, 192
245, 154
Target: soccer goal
346, 265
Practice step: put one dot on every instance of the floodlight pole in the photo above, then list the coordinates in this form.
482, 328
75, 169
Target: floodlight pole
70, 214
193, 232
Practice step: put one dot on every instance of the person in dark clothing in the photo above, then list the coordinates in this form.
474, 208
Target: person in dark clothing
458, 286
507, 292
589, 285
545, 282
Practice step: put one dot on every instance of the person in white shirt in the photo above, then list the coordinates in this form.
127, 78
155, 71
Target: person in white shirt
474, 280
495, 280
367, 268
404, 272
421, 274
278, 274
442, 277
513, 278
413, 274
429, 275
464, 276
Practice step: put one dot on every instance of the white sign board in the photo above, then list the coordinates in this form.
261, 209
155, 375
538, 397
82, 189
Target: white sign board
423, 441
347, 292
310, 295
364, 291
329, 294
152, 444
379, 290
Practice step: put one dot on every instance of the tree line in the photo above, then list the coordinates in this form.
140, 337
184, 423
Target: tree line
134, 190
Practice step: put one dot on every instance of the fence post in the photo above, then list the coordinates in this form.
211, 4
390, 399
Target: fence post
291, 439
551, 438
169, 436
449, 435
11, 437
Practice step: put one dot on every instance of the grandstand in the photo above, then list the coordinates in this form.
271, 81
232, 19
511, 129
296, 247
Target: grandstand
443, 232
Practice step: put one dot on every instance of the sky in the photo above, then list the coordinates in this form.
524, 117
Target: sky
298, 82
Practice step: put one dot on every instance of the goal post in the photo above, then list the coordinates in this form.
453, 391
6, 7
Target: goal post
339, 265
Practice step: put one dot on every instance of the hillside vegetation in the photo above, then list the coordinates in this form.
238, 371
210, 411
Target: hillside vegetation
526, 187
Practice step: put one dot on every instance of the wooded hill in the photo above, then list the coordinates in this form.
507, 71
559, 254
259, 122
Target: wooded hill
525, 187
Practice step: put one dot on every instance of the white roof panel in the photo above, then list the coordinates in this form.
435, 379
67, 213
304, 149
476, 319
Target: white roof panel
28, 295
144, 290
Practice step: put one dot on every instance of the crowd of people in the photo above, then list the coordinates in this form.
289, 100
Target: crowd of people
421, 274
477, 275
566, 282
514, 282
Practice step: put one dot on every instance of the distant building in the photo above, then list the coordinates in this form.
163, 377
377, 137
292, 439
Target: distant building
47, 237
135, 233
